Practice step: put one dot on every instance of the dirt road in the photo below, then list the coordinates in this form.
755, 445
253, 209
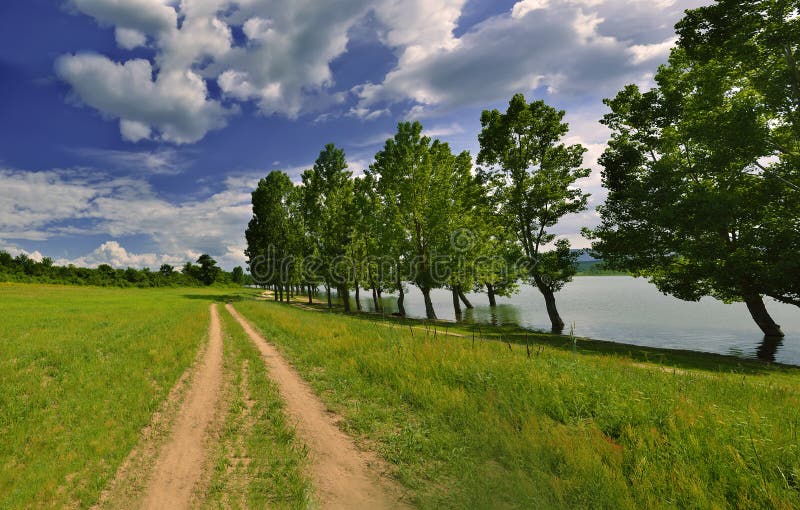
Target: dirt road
179, 465
345, 477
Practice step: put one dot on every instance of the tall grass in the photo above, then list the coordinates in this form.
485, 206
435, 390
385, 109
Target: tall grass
487, 426
81, 371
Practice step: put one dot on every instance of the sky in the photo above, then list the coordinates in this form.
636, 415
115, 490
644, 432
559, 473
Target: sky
133, 131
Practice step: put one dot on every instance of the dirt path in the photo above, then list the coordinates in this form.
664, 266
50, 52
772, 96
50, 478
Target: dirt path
179, 465
344, 476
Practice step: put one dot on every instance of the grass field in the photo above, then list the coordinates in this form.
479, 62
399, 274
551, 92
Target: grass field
573, 426
81, 371
507, 420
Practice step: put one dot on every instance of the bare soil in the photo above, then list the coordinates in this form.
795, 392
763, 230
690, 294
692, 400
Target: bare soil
180, 463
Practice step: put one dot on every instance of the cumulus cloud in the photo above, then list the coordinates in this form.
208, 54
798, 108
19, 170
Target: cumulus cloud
175, 103
113, 254
148, 16
43, 205
572, 47
567, 47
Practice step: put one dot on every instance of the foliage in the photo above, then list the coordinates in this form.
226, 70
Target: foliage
700, 168
24, 269
532, 176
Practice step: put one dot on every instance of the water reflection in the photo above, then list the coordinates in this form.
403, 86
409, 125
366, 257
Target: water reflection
768, 348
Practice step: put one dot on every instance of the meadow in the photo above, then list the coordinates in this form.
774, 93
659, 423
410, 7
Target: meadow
511, 420
501, 419
82, 369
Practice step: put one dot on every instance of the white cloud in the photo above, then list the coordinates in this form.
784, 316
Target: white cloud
111, 253
129, 38
572, 47
158, 162
175, 103
565, 46
14, 251
647, 52
88, 202
148, 16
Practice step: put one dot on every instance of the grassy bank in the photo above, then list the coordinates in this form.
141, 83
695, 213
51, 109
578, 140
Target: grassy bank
81, 371
485, 425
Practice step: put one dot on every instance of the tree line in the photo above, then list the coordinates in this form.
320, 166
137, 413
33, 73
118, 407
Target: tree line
23, 268
422, 215
702, 170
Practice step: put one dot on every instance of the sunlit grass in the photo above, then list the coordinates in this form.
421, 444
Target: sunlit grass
82, 369
485, 426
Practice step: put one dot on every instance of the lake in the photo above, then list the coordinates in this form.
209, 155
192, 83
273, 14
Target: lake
628, 310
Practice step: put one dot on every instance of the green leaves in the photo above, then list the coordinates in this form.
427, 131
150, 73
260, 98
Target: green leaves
694, 168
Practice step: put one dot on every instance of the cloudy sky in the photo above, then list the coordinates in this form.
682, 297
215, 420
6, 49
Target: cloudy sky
132, 131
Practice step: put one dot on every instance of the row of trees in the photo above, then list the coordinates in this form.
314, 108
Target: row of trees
22, 268
703, 173
422, 215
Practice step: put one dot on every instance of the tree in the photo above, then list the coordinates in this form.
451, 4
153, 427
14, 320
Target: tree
208, 269
166, 270
694, 202
755, 44
414, 177
532, 180
329, 198
237, 275
267, 233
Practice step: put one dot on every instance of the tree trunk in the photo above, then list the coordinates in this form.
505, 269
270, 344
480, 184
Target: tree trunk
375, 298
345, 297
456, 303
755, 304
490, 291
358, 297
280, 293
328, 291
426, 295
550, 302
275, 292
310, 299
400, 308
463, 297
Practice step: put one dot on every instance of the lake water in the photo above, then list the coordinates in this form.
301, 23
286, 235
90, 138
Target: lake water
628, 310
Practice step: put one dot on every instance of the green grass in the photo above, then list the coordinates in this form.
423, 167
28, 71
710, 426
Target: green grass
484, 426
258, 462
81, 371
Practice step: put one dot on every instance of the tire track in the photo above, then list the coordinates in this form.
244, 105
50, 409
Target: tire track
345, 477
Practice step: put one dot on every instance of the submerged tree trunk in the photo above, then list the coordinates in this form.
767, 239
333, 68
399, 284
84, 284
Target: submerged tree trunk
490, 291
755, 304
456, 303
426, 295
550, 302
463, 297
400, 299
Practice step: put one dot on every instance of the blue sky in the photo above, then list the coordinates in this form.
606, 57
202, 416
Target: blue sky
132, 131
